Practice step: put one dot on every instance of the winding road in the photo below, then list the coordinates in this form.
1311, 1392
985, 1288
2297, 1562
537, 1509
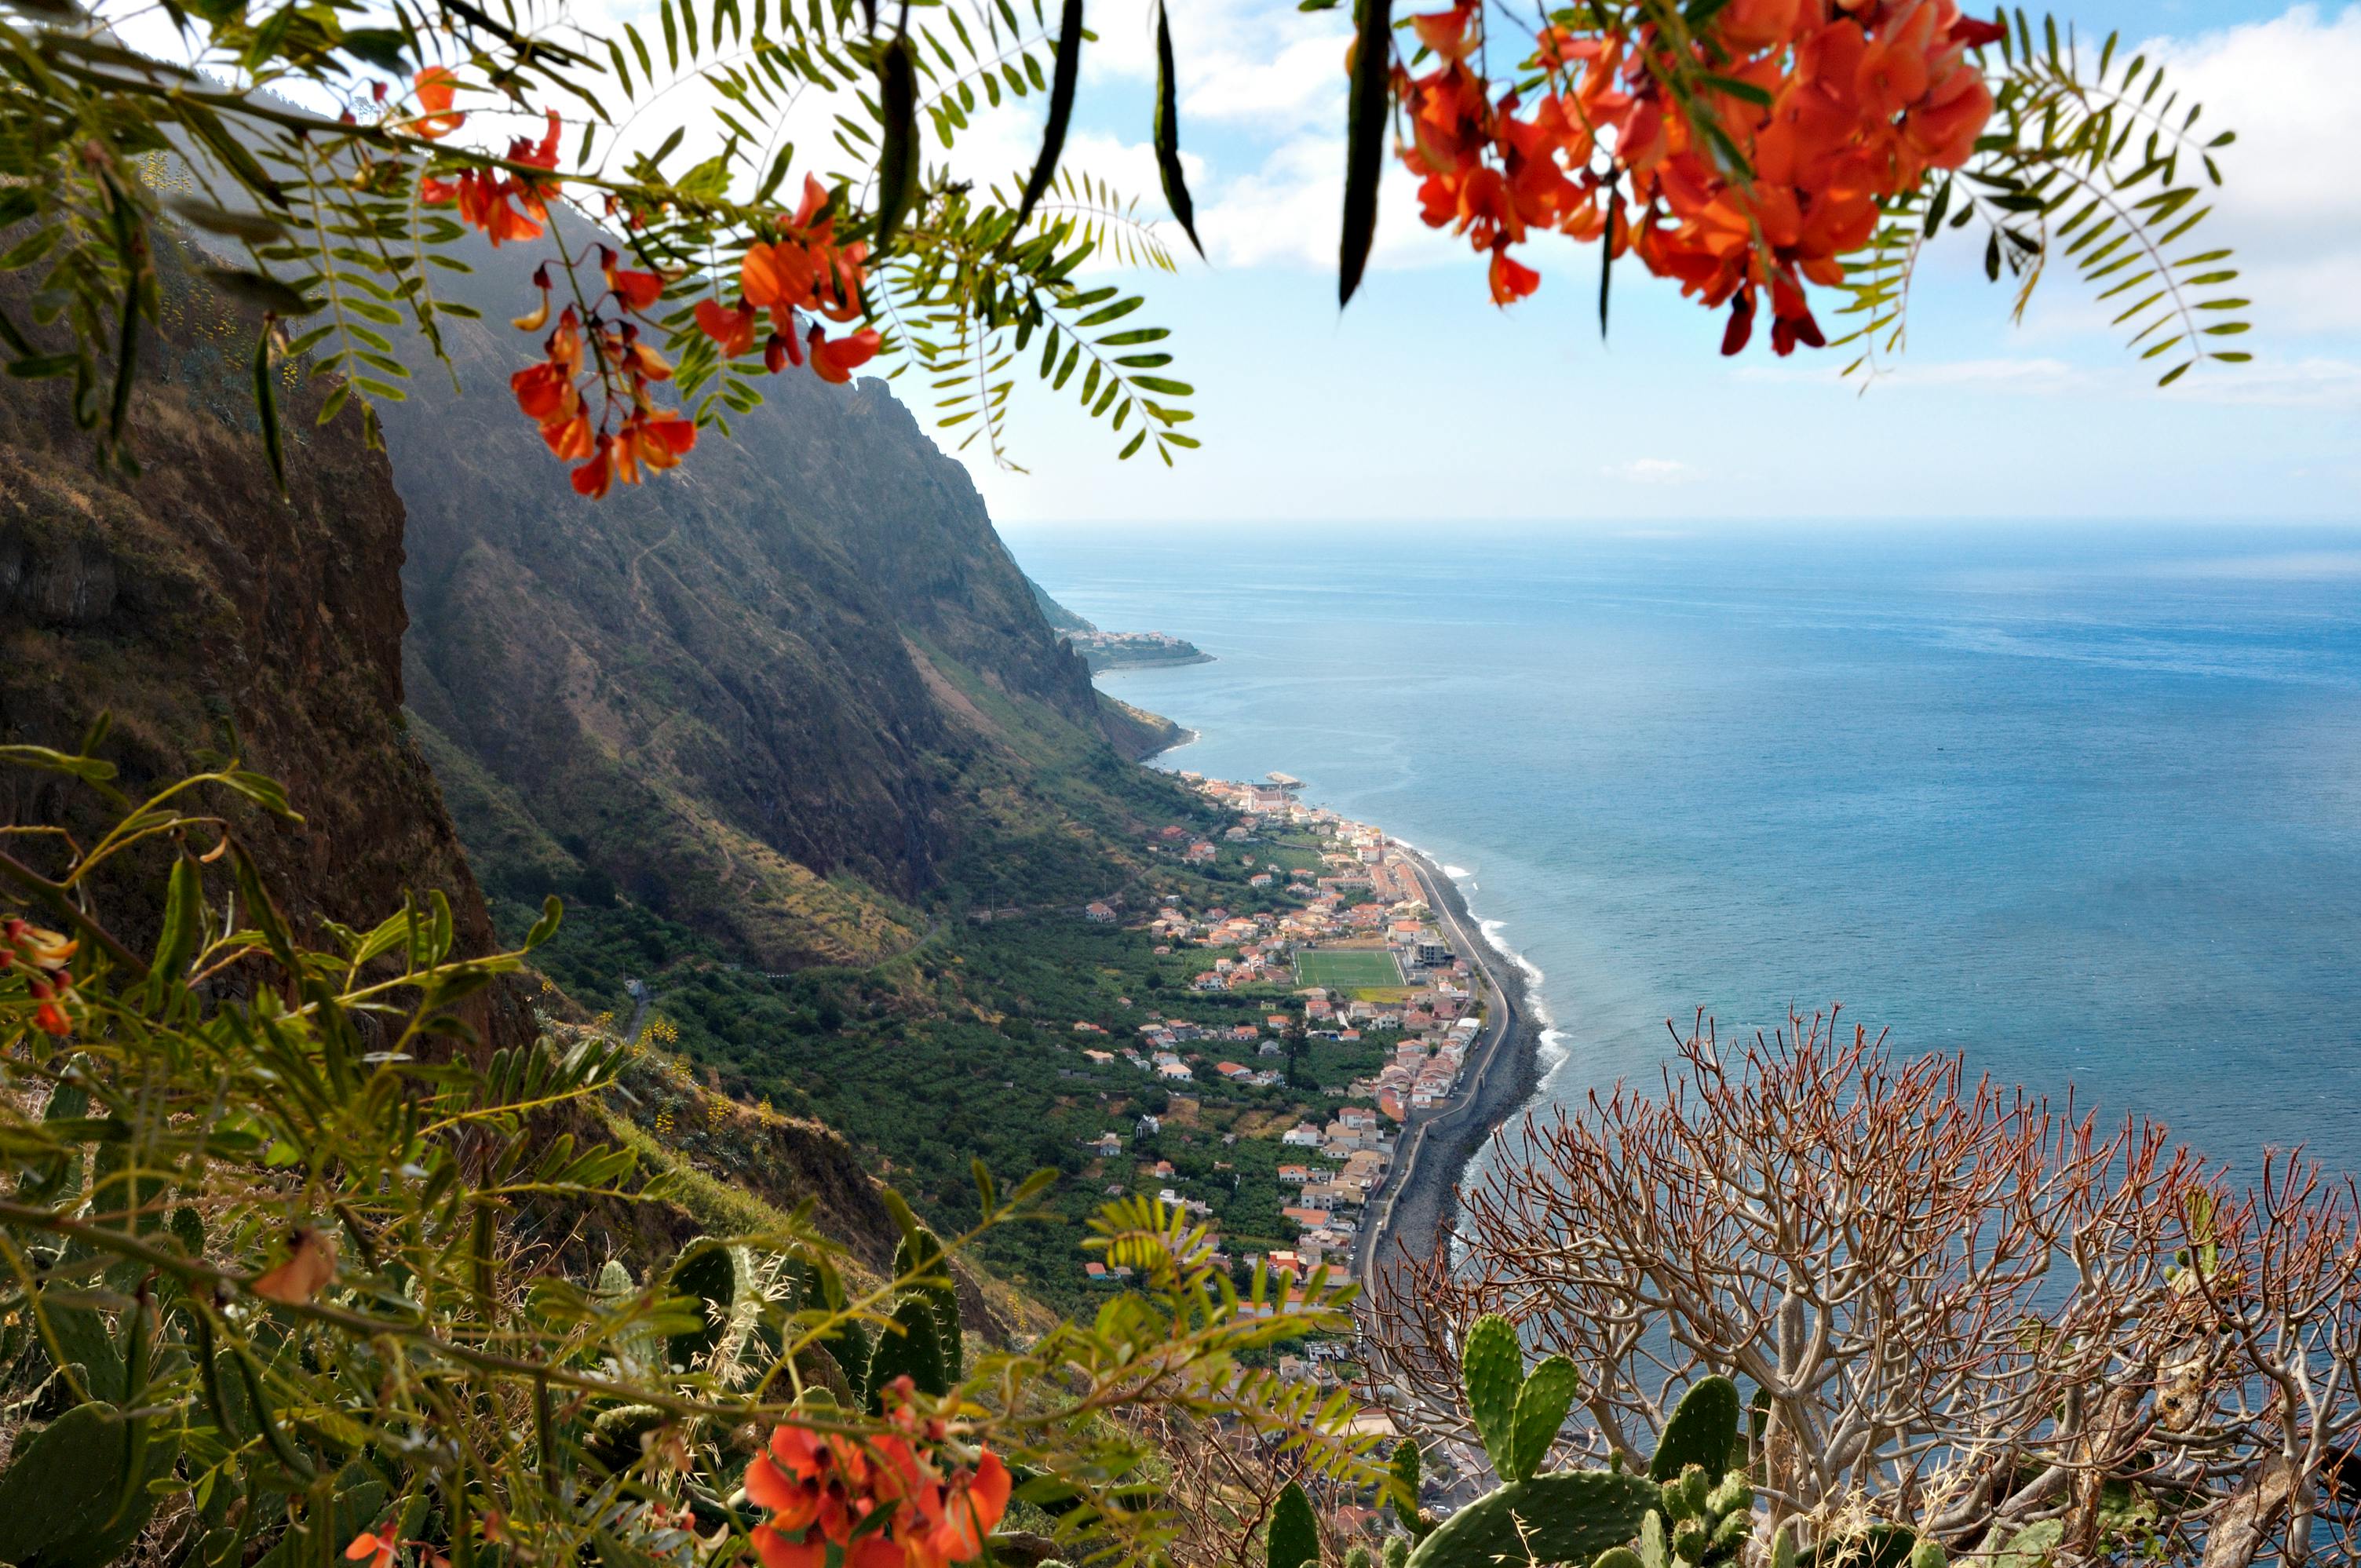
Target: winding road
1430, 1137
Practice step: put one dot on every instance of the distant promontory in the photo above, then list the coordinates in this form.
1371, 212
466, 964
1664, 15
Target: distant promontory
1116, 650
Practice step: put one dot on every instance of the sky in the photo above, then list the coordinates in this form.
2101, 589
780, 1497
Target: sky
1422, 402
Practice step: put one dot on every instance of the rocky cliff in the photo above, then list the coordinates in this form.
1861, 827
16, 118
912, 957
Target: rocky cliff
211, 617
762, 695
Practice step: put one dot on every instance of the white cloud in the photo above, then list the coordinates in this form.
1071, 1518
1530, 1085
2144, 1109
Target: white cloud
1650, 471
1247, 61
1303, 83
1288, 212
2312, 382
2286, 86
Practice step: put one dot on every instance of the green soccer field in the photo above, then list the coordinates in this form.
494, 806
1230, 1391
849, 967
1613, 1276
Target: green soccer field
1346, 969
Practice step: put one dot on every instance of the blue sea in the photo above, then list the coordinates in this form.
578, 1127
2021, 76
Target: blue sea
2084, 804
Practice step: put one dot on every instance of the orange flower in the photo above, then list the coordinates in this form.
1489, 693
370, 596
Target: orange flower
776, 278
483, 195
537, 318
49, 1017
1865, 97
820, 1482
594, 478
1511, 281
569, 440
835, 360
953, 1520
887, 1501
377, 1546
437, 87
306, 1272
657, 441
732, 329
634, 291
641, 362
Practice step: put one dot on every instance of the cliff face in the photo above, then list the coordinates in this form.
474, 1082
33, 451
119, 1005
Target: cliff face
195, 602
753, 694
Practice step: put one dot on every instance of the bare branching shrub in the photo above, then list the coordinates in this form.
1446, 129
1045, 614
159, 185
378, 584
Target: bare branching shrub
1952, 1304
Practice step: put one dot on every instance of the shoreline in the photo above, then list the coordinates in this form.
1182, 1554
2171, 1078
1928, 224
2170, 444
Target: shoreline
1421, 1194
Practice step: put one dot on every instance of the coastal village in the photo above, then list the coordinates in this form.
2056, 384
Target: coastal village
1333, 938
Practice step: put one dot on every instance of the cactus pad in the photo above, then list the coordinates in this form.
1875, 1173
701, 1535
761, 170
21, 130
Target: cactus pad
58, 1500
1567, 1518
915, 1352
1702, 1430
1548, 1392
706, 1273
1879, 1546
1294, 1537
1493, 1364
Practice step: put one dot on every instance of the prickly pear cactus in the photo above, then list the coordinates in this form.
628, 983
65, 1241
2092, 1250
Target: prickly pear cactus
615, 1435
1685, 1513
66, 1501
1295, 1536
1702, 1432
1396, 1553
1518, 1413
1492, 1368
915, 1351
1404, 1483
1542, 1403
920, 1253
707, 1272
1707, 1521
2027, 1547
1879, 1546
1571, 1517
1358, 1556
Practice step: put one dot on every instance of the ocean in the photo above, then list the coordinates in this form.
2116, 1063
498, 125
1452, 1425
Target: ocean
2083, 803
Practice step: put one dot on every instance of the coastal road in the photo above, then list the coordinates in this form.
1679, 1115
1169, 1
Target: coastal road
1428, 1138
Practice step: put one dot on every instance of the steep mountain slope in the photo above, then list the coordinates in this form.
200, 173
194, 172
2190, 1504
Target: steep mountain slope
196, 605
756, 694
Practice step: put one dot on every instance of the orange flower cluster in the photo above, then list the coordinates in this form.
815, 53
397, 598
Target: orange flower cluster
483, 195
892, 1500
1835, 105
44, 955
605, 348
804, 270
